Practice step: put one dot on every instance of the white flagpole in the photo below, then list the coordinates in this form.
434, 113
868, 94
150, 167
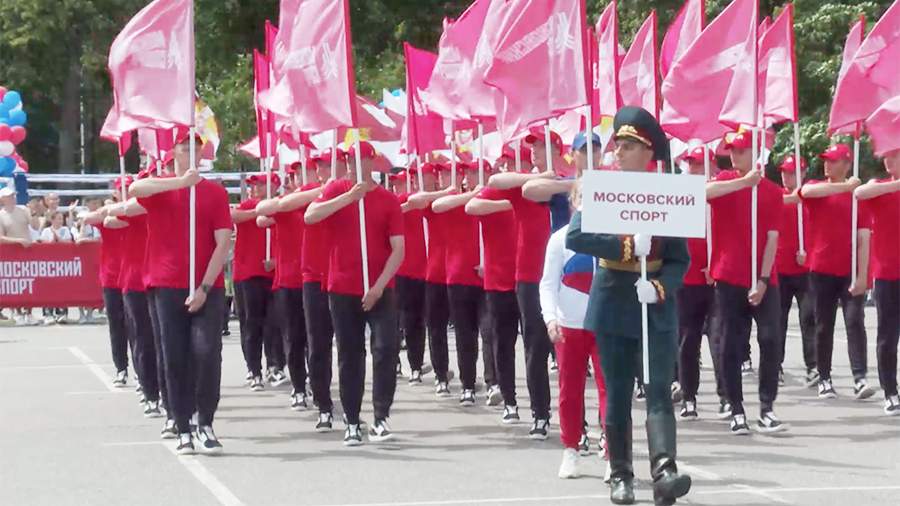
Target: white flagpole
802, 247
304, 179
519, 155
192, 227
364, 249
754, 225
122, 186
422, 189
334, 155
854, 215
547, 147
707, 169
590, 138
267, 170
480, 183
452, 159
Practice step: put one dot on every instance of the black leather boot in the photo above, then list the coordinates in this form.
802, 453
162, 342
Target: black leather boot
621, 483
668, 485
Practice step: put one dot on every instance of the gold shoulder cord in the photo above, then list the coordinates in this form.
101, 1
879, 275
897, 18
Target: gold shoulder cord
627, 249
660, 290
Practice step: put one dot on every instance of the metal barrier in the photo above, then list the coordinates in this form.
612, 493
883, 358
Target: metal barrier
49, 183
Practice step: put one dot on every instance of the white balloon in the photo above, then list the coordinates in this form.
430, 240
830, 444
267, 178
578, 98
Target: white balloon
6, 148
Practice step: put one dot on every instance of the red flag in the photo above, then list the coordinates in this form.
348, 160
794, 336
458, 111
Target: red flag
862, 85
314, 64
261, 76
682, 33
372, 122
638, 77
271, 33
884, 127
714, 80
456, 89
110, 132
547, 39
156, 143
608, 62
425, 129
156, 46
778, 70
854, 40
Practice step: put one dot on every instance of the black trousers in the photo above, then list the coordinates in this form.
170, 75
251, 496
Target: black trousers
192, 351
829, 292
797, 287
695, 306
320, 335
118, 332
137, 320
733, 316
619, 356
437, 317
411, 312
289, 304
887, 303
537, 348
469, 312
157, 346
349, 322
256, 307
503, 313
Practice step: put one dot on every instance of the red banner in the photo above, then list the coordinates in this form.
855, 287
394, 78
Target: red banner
50, 275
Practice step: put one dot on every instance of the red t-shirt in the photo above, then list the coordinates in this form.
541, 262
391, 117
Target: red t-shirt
414, 259
731, 230
316, 247
287, 245
829, 232
111, 251
383, 221
532, 235
499, 230
789, 240
134, 253
885, 250
697, 249
168, 229
436, 270
462, 257
250, 247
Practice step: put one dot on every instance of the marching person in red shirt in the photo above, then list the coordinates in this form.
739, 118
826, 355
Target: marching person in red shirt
465, 286
190, 323
737, 301
793, 273
253, 274
829, 203
882, 200
695, 309
354, 305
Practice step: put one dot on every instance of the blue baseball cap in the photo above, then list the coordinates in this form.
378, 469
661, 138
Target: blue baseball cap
581, 141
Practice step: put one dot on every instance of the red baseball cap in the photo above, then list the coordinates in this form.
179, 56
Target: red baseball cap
118, 181
325, 156
537, 134
789, 164
182, 133
263, 178
430, 168
836, 152
510, 153
740, 140
696, 155
366, 150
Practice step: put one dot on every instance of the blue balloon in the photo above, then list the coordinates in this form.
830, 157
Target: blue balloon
18, 118
12, 99
4, 111
7, 165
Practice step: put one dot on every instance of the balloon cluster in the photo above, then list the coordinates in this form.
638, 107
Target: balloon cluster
12, 131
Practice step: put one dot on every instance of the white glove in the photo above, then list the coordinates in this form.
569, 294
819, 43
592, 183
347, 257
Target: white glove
646, 292
642, 244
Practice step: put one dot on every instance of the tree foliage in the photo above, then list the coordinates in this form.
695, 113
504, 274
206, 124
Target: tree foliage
54, 52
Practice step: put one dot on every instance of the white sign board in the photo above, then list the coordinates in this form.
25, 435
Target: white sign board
625, 203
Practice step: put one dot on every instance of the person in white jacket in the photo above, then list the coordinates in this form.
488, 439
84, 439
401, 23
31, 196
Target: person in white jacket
564, 289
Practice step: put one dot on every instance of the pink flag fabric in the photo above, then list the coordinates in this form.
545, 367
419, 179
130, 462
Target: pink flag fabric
372, 122
425, 129
539, 62
313, 61
854, 40
261, 84
714, 81
156, 46
682, 33
778, 70
884, 127
609, 99
156, 143
110, 132
638, 81
456, 90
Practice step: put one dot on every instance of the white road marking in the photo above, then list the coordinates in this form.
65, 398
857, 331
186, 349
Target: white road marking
133, 443
41, 367
101, 392
206, 478
93, 367
765, 494
696, 471
547, 500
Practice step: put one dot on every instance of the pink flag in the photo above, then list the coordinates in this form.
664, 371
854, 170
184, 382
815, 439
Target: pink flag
539, 62
638, 79
425, 129
884, 127
372, 122
714, 80
314, 64
608, 62
151, 63
682, 33
110, 132
778, 70
846, 111
455, 89
261, 84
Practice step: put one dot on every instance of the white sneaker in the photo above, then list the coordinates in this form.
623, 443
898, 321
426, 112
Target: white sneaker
494, 396
568, 468
892, 405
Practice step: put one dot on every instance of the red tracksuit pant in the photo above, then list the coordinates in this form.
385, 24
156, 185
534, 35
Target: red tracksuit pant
572, 354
